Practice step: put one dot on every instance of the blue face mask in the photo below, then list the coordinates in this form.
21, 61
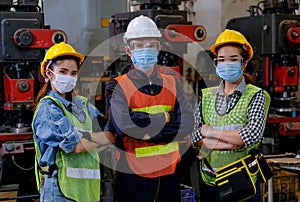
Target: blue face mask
229, 71
144, 58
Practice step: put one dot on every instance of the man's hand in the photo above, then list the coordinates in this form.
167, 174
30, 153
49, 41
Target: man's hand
146, 137
168, 117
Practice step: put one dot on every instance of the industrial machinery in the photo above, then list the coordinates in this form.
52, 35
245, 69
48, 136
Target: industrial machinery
24, 38
177, 33
274, 33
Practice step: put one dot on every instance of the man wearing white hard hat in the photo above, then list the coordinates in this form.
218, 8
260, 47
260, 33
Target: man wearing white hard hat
151, 115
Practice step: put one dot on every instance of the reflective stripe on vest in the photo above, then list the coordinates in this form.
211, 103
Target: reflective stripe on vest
229, 127
83, 173
156, 150
233, 120
81, 170
154, 109
144, 158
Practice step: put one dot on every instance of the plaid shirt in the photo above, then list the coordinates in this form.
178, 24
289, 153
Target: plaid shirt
252, 132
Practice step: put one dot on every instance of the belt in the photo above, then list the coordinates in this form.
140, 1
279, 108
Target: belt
49, 172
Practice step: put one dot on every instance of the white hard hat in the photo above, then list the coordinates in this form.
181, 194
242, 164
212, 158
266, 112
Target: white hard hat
141, 27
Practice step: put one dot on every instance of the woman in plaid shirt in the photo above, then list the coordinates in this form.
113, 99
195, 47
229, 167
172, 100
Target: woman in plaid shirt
230, 118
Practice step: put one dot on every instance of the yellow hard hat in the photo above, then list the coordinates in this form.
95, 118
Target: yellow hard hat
232, 36
57, 50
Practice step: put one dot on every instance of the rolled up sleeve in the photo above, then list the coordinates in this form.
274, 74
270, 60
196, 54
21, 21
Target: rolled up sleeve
53, 129
253, 131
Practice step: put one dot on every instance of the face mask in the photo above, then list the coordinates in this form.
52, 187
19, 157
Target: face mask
64, 83
229, 71
144, 58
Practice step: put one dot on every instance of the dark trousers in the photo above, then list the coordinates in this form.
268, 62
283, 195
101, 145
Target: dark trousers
133, 188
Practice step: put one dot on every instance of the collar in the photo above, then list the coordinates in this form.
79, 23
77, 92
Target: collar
76, 101
74, 107
140, 76
60, 98
240, 88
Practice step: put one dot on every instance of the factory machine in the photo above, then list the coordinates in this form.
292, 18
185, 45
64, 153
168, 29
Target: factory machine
24, 39
177, 33
273, 29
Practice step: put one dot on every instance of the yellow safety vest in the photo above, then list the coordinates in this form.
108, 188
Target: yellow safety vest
78, 174
233, 120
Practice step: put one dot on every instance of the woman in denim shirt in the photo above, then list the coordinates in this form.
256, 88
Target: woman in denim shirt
67, 131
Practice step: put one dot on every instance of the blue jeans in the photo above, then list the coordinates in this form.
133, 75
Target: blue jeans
256, 197
50, 191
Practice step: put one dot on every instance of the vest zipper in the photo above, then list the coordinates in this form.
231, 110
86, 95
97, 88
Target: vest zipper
151, 90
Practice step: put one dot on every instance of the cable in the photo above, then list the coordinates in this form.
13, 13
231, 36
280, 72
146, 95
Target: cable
258, 7
13, 159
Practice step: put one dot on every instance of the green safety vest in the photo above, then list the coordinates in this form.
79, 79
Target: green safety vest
234, 120
78, 174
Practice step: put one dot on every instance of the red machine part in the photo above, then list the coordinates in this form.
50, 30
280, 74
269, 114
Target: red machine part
293, 34
16, 136
266, 70
38, 38
12, 148
185, 33
285, 76
17, 91
288, 126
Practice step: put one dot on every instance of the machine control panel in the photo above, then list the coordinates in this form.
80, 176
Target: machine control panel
12, 148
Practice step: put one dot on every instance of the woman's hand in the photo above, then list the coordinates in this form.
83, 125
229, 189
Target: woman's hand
103, 138
207, 131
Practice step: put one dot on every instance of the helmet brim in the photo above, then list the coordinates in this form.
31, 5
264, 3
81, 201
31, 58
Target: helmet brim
45, 63
215, 46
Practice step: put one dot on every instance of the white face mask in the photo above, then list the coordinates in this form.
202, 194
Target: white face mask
64, 83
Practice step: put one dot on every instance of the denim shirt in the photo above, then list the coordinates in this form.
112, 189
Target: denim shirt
53, 129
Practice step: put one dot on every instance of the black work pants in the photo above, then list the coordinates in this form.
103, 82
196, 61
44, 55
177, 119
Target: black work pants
134, 188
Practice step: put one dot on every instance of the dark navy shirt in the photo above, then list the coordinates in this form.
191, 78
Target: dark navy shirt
138, 124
